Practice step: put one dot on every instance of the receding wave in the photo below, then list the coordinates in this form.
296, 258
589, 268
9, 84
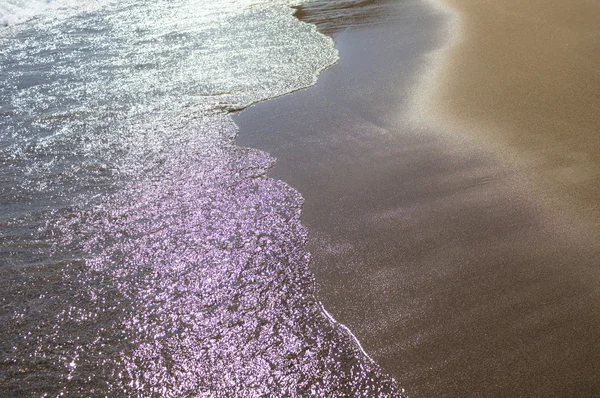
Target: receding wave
143, 253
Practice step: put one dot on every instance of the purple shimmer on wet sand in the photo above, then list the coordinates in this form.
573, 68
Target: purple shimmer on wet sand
144, 253
218, 278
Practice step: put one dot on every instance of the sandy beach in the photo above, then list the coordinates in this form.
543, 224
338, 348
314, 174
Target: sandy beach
447, 246
524, 77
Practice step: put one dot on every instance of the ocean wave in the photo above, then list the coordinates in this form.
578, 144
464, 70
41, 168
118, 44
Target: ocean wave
171, 265
13, 12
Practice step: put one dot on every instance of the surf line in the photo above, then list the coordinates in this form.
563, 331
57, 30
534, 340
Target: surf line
347, 330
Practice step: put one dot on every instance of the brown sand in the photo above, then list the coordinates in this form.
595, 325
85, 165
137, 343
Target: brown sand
526, 74
449, 270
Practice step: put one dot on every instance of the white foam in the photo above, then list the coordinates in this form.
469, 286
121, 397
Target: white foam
13, 12
348, 331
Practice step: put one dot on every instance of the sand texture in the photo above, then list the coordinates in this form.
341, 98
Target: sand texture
436, 243
526, 75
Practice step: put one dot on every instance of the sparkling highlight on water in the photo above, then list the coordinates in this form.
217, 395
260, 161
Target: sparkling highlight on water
143, 253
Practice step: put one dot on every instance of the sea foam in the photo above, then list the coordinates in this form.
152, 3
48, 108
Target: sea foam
13, 12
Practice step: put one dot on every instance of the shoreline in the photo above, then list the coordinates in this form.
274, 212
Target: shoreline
428, 246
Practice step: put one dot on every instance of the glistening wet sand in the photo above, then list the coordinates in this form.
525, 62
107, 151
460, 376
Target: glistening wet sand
435, 251
525, 76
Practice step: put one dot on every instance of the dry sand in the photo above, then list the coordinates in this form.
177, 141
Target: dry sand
525, 75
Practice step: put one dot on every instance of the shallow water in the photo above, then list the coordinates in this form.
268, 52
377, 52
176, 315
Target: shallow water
143, 253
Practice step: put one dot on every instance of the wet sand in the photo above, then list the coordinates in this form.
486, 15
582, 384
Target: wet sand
525, 76
436, 251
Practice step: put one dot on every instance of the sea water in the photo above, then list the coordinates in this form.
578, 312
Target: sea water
142, 252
